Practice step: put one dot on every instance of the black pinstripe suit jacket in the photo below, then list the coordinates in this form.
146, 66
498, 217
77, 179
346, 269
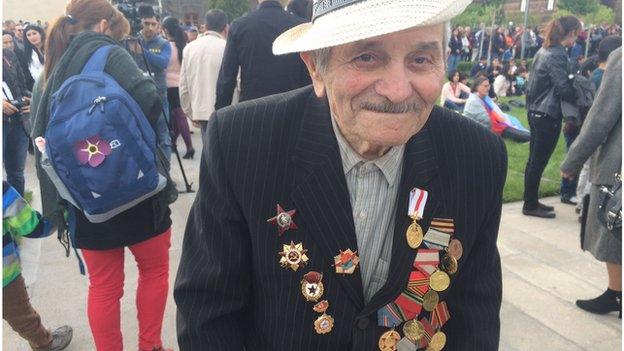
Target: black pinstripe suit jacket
230, 290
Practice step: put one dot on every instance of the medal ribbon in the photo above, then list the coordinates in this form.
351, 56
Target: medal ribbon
429, 331
445, 225
440, 315
427, 261
389, 316
418, 200
435, 239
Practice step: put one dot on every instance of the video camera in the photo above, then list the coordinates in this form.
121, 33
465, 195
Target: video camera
133, 11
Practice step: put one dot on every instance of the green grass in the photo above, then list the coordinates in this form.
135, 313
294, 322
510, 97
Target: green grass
518, 155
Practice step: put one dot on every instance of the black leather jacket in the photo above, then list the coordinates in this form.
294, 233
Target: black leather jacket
549, 82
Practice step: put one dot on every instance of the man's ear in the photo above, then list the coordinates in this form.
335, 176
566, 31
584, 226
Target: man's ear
317, 80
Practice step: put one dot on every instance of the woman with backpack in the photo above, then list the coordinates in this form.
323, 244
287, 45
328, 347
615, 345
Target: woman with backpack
145, 229
177, 39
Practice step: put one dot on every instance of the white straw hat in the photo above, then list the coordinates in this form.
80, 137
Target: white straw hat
337, 22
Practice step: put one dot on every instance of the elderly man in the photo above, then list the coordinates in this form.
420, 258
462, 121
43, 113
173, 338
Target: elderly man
353, 214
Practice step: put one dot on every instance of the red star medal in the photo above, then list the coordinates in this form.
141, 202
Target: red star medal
283, 220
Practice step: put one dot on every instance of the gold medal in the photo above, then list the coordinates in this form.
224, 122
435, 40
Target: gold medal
414, 235
293, 256
323, 324
413, 330
449, 264
389, 340
430, 300
312, 286
439, 281
438, 340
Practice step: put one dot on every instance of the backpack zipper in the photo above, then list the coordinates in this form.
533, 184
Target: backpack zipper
100, 100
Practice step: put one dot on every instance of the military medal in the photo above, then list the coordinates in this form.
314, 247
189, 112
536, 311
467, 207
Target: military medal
389, 340
439, 281
437, 342
416, 209
323, 324
430, 300
312, 286
413, 330
455, 249
346, 261
321, 306
449, 264
283, 220
293, 256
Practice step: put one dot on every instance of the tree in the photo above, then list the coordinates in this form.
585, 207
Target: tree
579, 7
233, 8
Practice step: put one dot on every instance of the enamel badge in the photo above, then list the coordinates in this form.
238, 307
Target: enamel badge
323, 324
283, 220
312, 286
293, 256
346, 261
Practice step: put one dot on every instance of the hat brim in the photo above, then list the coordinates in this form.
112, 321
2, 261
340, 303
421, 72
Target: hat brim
366, 19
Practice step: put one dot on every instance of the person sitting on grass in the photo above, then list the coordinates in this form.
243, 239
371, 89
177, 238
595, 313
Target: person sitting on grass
20, 220
480, 108
454, 93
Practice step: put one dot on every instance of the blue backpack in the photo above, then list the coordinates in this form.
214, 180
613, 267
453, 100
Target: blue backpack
100, 148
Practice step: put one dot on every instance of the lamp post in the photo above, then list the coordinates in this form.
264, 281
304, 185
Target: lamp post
524, 33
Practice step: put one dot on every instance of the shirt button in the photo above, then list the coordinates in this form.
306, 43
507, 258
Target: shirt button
362, 215
362, 323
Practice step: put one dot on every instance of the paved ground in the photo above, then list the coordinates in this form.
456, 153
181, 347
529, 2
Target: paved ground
544, 272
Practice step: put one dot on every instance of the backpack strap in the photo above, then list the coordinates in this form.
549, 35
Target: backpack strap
98, 60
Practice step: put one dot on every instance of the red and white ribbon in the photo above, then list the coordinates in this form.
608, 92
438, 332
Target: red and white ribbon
418, 200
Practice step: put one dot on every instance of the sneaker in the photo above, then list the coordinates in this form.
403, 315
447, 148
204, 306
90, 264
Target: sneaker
61, 337
538, 212
569, 200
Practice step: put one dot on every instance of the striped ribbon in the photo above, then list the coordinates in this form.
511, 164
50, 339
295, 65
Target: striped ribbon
446, 225
429, 331
427, 261
440, 315
389, 316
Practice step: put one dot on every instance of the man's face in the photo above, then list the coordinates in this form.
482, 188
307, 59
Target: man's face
19, 32
7, 42
382, 90
150, 27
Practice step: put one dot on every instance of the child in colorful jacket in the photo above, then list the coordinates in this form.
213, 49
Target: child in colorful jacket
20, 220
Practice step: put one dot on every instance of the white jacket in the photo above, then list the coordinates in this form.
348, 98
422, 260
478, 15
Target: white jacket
198, 75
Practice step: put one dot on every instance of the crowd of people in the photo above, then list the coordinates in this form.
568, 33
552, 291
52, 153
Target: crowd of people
325, 96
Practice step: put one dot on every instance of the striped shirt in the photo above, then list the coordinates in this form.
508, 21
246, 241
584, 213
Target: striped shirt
373, 189
18, 220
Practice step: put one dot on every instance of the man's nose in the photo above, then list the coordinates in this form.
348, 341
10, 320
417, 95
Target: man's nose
395, 84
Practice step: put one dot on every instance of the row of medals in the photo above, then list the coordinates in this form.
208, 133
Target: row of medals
438, 282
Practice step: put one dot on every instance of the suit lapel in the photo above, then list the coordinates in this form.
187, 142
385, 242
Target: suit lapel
321, 194
419, 169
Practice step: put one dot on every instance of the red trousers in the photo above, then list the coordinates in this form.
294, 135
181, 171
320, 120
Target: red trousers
106, 282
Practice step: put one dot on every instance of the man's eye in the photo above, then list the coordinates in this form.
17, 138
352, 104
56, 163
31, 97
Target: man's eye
365, 58
421, 60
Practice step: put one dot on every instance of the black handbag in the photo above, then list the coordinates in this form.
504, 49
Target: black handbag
610, 209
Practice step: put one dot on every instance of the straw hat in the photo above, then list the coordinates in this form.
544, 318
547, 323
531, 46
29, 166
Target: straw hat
337, 22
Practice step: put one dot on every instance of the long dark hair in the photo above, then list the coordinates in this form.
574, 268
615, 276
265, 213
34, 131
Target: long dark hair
29, 48
172, 25
557, 29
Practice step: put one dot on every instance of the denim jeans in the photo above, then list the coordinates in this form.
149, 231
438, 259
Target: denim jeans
453, 61
14, 149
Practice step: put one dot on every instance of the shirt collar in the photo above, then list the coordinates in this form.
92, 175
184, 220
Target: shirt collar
389, 164
213, 34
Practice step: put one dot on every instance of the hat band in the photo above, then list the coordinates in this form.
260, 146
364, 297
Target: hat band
321, 7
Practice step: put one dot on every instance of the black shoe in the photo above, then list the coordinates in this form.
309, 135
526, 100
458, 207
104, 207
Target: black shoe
609, 301
61, 338
538, 212
545, 207
189, 154
569, 200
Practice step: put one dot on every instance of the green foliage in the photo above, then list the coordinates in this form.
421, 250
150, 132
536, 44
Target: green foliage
233, 8
476, 14
601, 15
579, 7
518, 19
